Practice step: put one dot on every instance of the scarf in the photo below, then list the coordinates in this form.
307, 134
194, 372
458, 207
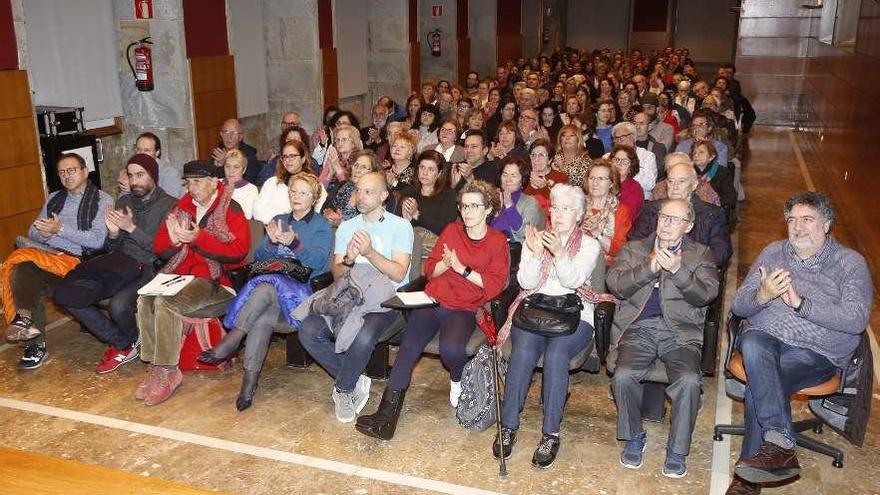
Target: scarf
600, 221
88, 207
585, 291
215, 224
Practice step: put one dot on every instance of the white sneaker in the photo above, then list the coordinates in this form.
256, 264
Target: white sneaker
361, 393
454, 393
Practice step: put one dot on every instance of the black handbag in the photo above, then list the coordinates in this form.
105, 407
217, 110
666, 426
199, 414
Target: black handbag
550, 316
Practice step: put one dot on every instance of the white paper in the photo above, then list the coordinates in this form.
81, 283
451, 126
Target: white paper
160, 285
415, 298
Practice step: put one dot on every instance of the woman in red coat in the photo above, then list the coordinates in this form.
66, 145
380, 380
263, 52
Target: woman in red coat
467, 268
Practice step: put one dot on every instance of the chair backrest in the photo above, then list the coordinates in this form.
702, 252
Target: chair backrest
258, 230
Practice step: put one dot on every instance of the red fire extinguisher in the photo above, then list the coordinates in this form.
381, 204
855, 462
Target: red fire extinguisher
142, 70
434, 42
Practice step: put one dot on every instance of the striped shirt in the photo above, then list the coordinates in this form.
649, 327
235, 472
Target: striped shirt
71, 239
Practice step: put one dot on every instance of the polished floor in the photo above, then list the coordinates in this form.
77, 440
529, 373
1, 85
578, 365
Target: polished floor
290, 442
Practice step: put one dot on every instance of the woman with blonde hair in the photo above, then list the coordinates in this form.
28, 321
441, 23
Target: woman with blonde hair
346, 142
571, 156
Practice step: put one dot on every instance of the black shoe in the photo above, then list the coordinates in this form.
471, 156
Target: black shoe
248, 389
508, 440
224, 350
545, 454
33, 357
383, 422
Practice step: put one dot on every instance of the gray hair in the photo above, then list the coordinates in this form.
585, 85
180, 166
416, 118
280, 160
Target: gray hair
676, 158
567, 191
816, 200
626, 127
690, 215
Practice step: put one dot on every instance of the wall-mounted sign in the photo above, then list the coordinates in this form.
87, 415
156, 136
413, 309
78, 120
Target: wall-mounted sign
143, 9
436, 11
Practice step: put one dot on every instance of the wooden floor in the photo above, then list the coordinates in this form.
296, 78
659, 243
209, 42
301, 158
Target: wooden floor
65, 430
27, 473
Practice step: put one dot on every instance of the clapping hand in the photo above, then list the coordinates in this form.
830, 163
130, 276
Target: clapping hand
450, 258
219, 156
410, 209
552, 242
538, 182
273, 229
363, 242
533, 239
333, 217
122, 181
773, 285
121, 219
48, 226
668, 260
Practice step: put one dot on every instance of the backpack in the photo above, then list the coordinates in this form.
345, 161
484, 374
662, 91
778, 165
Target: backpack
476, 405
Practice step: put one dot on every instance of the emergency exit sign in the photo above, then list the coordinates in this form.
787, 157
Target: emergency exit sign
436, 11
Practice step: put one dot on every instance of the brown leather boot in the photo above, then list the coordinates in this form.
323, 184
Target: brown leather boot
772, 463
740, 486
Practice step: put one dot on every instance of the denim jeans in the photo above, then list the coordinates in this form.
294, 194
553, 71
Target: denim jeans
317, 338
775, 370
455, 329
527, 349
82, 289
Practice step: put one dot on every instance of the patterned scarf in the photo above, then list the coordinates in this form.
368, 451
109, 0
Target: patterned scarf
88, 207
215, 224
586, 293
600, 221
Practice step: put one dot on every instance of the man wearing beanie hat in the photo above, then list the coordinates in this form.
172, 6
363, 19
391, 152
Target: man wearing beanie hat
125, 268
205, 235
169, 177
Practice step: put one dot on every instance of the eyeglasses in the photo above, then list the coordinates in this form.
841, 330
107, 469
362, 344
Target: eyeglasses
562, 209
67, 172
598, 179
536, 154
526, 117
300, 194
344, 140
672, 219
447, 129
622, 136
289, 157
230, 133
621, 161
470, 206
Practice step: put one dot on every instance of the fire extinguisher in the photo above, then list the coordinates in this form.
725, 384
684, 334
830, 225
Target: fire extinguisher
142, 70
434, 42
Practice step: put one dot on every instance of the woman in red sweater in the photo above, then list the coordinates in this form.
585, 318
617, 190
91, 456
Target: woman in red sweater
467, 268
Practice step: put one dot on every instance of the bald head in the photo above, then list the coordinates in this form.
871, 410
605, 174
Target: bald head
231, 134
371, 193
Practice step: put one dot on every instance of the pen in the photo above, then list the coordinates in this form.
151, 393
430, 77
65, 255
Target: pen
173, 280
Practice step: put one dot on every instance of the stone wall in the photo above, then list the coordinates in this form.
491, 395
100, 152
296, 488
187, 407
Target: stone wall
294, 64
388, 37
482, 27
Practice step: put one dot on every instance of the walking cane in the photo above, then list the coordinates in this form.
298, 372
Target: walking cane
486, 322
502, 470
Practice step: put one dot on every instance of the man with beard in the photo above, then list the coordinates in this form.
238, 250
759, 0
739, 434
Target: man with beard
807, 300
125, 268
70, 226
376, 245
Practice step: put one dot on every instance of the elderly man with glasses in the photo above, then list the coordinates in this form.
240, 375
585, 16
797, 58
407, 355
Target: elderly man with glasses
232, 138
665, 283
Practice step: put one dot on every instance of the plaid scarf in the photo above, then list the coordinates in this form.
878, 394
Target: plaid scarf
88, 207
215, 224
600, 221
585, 291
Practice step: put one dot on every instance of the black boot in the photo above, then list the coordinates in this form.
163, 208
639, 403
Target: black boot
382, 424
225, 349
248, 389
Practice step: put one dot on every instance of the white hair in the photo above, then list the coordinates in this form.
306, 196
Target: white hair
575, 194
625, 126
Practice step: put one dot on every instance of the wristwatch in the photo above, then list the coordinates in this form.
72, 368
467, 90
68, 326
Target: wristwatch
467, 271
347, 263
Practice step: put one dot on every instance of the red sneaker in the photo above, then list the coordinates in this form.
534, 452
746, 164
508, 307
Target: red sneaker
114, 358
163, 388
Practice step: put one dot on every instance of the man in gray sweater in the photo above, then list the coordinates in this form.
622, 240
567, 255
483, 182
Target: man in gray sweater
807, 300
664, 283
125, 268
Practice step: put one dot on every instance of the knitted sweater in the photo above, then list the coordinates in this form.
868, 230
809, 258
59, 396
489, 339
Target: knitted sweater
837, 291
